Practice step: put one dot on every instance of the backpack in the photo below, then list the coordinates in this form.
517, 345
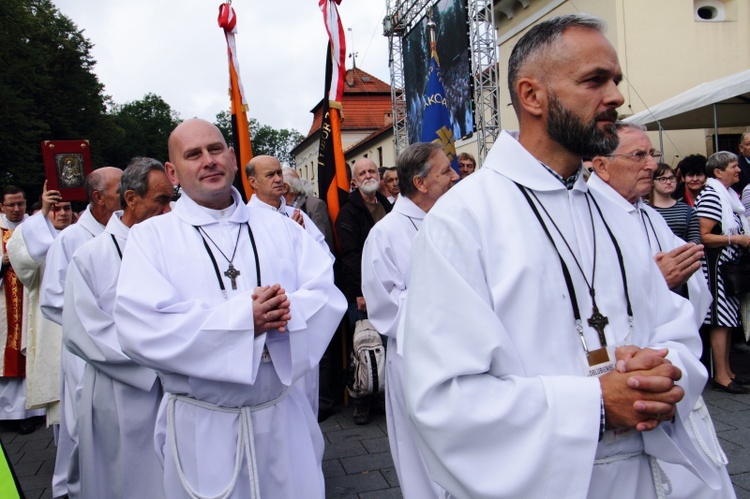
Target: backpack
366, 361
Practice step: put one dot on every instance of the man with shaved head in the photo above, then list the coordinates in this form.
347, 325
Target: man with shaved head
231, 307
532, 303
101, 187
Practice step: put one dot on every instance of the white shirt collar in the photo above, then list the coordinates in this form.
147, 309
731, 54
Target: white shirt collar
255, 202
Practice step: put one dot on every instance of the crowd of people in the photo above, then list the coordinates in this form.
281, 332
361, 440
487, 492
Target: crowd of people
542, 328
706, 207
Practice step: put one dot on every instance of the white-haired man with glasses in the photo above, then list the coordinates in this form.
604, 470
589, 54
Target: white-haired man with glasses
624, 177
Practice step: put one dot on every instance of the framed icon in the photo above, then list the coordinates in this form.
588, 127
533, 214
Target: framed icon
66, 165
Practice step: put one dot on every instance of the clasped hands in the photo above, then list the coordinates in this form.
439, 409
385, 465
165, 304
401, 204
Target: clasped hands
270, 309
641, 392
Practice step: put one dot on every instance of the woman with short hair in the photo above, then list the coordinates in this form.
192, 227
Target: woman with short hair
692, 172
724, 231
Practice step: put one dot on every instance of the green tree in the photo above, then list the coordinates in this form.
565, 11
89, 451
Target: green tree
266, 140
141, 128
224, 123
47, 89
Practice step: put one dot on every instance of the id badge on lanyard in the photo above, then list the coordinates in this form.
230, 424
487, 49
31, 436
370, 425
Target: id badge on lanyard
599, 362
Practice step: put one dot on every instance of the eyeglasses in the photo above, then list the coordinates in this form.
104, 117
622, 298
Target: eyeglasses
640, 156
666, 180
19, 204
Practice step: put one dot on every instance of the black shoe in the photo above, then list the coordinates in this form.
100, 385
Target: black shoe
361, 415
732, 388
28, 425
741, 380
742, 348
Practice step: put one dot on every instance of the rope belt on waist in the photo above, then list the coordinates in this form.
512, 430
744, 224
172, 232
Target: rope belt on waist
662, 485
715, 453
245, 443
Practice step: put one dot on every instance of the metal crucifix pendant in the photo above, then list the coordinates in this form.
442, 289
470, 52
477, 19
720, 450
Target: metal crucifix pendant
232, 274
598, 322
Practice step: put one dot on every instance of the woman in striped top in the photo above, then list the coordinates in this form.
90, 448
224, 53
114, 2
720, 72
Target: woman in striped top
676, 213
724, 231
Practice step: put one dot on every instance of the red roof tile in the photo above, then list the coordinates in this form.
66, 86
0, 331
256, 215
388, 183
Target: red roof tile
366, 103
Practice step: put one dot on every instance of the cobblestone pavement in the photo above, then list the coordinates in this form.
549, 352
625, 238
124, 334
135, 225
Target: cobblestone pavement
357, 463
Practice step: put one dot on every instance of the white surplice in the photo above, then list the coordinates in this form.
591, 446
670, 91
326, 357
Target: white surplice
119, 399
219, 378
12, 389
659, 237
51, 301
494, 370
386, 262
310, 383
288, 211
27, 250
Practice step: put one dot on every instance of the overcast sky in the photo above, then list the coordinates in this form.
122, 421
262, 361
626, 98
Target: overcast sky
175, 49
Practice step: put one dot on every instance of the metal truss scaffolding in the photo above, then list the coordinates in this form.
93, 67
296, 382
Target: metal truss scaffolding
401, 16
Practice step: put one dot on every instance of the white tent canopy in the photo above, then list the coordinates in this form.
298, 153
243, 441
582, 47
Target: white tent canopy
724, 102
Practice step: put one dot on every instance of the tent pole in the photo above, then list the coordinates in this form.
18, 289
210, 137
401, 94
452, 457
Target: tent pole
661, 139
716, 130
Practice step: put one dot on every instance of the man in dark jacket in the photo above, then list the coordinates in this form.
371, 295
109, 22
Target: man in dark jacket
365, 208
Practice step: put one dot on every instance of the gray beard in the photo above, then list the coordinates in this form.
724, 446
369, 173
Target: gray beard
369, 189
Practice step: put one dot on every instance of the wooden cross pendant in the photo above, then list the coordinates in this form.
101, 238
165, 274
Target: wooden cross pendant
232, 274
598, 322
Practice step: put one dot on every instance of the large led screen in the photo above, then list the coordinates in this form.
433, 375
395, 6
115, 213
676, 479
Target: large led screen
452, 36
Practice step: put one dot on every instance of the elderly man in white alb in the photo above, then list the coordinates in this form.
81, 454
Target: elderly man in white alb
119, 399
231, 306
543, 353
424, 174
623, 178
266, 178
101, 187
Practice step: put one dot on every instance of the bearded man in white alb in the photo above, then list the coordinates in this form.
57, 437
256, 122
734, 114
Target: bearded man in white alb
543, 353
425, 174
230, 306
